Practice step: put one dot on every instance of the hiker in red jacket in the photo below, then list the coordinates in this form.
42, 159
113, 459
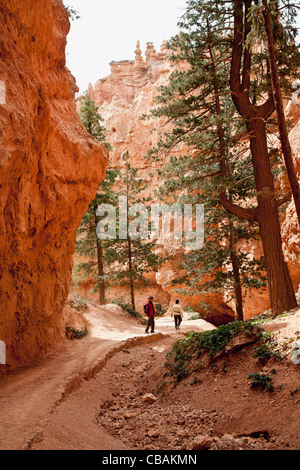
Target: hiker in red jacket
150, 312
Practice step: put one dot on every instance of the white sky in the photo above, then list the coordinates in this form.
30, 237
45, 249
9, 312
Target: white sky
109, 29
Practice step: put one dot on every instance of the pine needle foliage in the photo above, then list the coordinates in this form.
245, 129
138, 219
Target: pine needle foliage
197, 102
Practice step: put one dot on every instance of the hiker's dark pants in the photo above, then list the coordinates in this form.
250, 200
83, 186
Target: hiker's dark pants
178, 320
150, 324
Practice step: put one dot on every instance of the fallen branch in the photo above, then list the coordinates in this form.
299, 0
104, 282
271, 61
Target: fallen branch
235, 347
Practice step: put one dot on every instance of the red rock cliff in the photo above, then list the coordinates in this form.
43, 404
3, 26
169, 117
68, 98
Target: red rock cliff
50, 168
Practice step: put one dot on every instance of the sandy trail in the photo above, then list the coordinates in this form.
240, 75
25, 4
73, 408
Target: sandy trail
28, 398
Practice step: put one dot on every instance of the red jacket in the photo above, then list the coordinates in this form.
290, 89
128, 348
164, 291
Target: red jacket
150, 312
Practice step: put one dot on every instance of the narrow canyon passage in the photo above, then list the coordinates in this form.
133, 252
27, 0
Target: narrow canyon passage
67, 150
29, 397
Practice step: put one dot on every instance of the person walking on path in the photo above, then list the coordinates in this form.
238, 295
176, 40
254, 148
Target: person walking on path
177, 311
150, 312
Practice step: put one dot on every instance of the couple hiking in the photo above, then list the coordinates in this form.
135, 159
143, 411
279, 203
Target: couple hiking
149, 309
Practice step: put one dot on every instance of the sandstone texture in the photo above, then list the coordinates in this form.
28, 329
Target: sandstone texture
50, 168
123, 97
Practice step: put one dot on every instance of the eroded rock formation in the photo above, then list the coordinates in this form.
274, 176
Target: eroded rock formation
125, 95
128, 93
50, 168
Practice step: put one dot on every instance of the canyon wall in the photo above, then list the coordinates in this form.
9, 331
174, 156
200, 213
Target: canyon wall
123, 97
50, 169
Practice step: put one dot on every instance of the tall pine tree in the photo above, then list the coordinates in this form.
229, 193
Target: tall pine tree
118, 261
130, 256
256, 109
88, 244
273, 29
221, 63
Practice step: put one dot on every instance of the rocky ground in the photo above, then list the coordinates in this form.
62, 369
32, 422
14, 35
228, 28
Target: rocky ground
113, 391
215, 409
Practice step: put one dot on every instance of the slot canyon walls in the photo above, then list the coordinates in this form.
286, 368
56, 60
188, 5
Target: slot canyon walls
49, 171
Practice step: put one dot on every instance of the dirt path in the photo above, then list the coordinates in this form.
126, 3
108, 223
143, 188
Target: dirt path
132, 404
37, 398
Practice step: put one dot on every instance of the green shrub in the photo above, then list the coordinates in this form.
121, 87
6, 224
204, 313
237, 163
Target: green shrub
195, 316
261, 381
186, 354
194, 345
127, 307
77, 302
189, 309
72, 333
267, 348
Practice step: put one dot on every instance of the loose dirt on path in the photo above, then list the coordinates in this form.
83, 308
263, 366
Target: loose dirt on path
111, 391
30, 398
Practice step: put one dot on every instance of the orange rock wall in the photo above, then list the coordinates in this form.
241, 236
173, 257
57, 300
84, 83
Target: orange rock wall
50, 168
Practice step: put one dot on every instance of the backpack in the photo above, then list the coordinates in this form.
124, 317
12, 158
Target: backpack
145, 310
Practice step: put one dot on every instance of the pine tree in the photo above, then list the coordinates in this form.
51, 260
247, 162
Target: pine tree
197, 102
244, 62
119, 261
88, 244
131, 256
272, 28
221, 64
91, 119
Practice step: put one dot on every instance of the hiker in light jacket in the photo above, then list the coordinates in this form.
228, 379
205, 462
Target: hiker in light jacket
177, 311
150, 312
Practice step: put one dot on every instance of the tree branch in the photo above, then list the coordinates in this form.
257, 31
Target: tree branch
239, 211
284, 199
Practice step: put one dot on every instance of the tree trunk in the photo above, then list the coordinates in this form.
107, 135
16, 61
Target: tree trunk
282, 296
130, 272
236, 274
101, 284
283, 132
